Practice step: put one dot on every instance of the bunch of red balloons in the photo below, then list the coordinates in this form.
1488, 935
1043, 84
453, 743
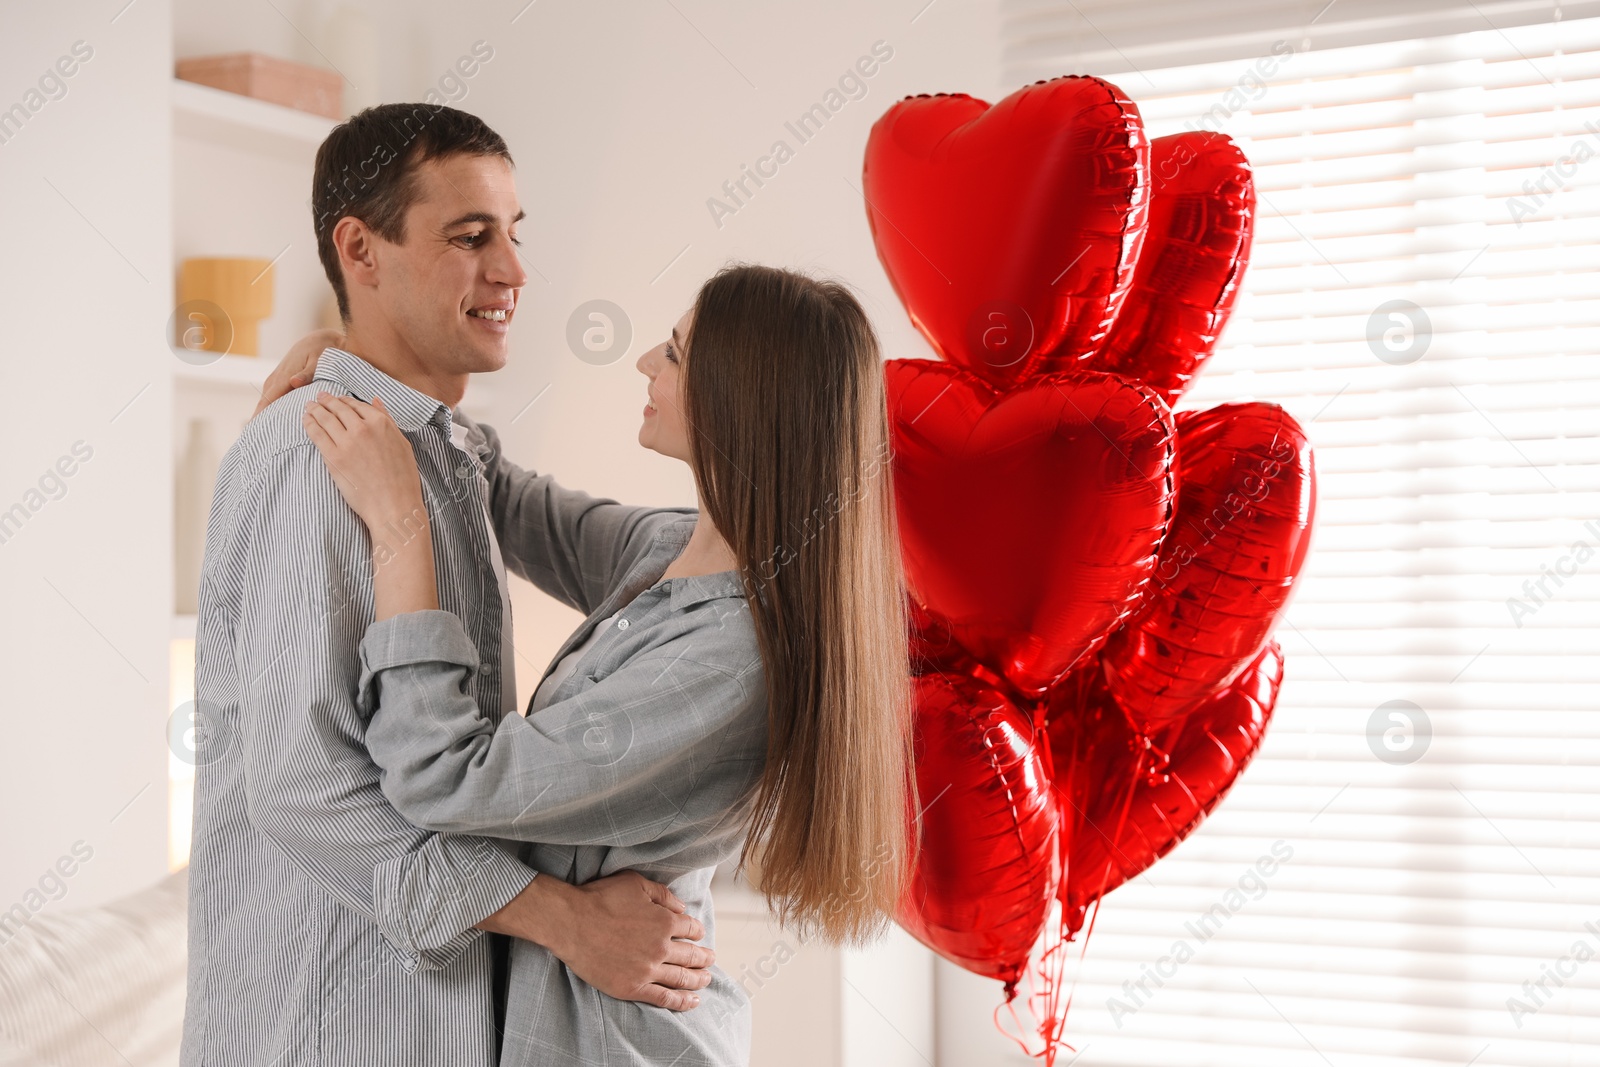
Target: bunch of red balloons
1094, 579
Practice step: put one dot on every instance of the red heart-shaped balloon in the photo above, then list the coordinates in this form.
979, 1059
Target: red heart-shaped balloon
1029, 520
1196, 249
1010, 232
989, 863
1246, 496
1124, 802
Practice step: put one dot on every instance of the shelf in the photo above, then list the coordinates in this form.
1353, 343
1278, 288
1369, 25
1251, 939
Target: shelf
241, 122
247, 373
238, 372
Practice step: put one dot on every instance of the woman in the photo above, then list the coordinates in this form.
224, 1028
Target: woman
740, 683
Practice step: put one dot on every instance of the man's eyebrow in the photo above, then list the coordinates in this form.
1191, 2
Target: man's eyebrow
484, 217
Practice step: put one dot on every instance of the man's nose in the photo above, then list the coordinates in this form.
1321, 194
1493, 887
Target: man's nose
505, 267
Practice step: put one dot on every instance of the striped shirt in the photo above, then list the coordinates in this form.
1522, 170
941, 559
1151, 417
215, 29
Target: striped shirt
645, 757
325, 928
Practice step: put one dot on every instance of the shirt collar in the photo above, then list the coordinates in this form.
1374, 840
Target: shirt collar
687, 592
411, 410
696, 588
470, 436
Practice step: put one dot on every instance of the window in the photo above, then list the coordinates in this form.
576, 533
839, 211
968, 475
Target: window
1424, 296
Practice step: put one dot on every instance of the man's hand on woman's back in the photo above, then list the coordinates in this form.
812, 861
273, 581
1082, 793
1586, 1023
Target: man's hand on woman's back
625, 935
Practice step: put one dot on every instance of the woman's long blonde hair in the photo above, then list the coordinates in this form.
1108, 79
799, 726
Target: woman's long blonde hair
789, 443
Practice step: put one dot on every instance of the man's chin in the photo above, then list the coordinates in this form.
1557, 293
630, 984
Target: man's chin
486, 361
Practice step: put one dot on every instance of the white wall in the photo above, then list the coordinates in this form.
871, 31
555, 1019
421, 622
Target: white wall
624, 120
85, 289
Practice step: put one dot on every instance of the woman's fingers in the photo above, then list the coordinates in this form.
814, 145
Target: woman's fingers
327, 419
376, 414
370, 459
314, 430
347, 411
353, 411
326, 433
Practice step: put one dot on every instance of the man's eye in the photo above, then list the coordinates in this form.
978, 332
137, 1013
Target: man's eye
471, 238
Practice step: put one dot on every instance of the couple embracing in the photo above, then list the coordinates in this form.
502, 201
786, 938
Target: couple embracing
392, 863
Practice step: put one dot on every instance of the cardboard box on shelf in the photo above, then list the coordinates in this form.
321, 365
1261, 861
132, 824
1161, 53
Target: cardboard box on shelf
277, 81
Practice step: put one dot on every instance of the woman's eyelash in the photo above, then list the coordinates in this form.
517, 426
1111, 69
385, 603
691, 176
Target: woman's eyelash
673, 356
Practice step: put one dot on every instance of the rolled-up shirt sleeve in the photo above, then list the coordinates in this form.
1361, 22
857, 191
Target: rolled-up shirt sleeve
308, 780
641, 751
565, 541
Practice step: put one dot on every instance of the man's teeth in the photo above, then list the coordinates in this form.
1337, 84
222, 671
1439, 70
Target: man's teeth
492, 314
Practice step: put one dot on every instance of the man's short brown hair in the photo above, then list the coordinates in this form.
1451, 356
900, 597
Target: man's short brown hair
366, 168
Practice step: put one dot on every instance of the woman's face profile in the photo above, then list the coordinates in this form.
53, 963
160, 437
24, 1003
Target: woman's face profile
664, 429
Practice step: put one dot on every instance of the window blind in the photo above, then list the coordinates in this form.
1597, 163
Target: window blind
1045, 38
1408, 875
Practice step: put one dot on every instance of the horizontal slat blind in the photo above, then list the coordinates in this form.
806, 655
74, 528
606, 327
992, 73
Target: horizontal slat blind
1046, 38
1420, 896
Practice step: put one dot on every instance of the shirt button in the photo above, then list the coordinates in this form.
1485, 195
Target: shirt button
622, 624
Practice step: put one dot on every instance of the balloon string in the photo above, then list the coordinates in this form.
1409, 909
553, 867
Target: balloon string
1052, 1042
1127, 802
1053, 1024
1077, 973
1053, 965
1009, 1005
1047, 978
1054, 1021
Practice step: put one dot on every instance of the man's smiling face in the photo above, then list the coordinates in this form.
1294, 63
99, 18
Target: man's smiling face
450, 287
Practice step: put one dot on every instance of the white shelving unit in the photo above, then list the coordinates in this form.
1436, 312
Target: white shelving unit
247, 372
241, 179
204, 113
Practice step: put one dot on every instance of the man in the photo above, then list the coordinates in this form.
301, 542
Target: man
323, 927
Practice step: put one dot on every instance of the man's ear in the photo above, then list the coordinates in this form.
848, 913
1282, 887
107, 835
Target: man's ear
358, 251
